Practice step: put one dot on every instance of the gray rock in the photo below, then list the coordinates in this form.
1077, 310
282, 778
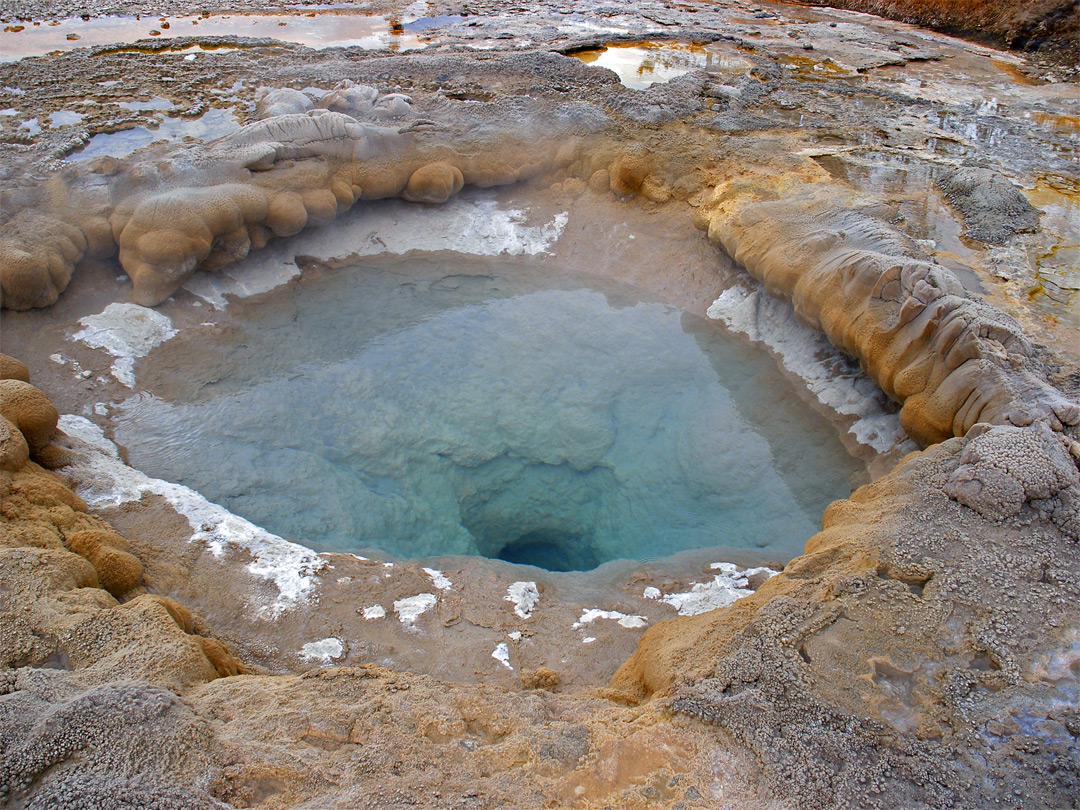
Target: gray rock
994, 210
282, 101
1005, 467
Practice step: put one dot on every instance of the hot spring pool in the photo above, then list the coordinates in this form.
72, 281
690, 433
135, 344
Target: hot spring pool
461, 405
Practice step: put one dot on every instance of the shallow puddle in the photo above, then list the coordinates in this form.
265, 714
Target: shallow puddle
65, 118
463, 405
209, 126
315, 29
643, 64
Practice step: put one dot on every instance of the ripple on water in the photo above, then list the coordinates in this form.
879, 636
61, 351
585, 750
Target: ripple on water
489, 407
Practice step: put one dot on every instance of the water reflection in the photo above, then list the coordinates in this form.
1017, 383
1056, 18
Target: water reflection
211, 125
643, 64
315, 29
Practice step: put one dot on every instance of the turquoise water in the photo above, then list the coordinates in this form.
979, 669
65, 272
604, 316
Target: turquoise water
472, 406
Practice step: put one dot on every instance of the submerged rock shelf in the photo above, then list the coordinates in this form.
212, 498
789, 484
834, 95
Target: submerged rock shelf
882, 211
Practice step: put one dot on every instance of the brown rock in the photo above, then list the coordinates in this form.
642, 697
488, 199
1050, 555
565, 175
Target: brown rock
168, 235
181, 615
14, 452
54, 457
220, 658
627, 174
434, 183
952, 360
286, 214
118, 571
12, 369
321, 206
574, 187
540, 678
655, 190
600, 181
30, 411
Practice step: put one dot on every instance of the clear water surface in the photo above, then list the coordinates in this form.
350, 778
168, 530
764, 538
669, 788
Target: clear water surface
460, 405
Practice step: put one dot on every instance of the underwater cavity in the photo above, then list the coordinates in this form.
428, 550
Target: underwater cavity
462, 405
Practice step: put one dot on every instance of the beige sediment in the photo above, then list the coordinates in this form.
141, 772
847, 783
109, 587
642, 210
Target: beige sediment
272, 178
81, 567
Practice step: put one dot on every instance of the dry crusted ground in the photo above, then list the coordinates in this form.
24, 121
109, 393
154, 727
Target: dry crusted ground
924, 652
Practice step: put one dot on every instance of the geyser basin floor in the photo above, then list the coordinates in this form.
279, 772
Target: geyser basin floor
321, 28
457, 405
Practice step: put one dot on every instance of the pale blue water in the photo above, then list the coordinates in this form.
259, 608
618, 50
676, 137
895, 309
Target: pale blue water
473, 406
210, 125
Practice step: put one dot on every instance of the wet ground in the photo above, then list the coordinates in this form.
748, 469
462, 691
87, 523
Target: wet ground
884, 108
322, 28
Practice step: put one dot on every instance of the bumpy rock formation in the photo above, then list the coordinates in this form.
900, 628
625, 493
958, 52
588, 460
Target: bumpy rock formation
351, 99
51, 228
30, 412
1003, 469
67, 613
950, 358
434, 183
296, 165
993, 208
316, 133
117, 571
111, 728
282, 101
878, 670
12, 369
14, 451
